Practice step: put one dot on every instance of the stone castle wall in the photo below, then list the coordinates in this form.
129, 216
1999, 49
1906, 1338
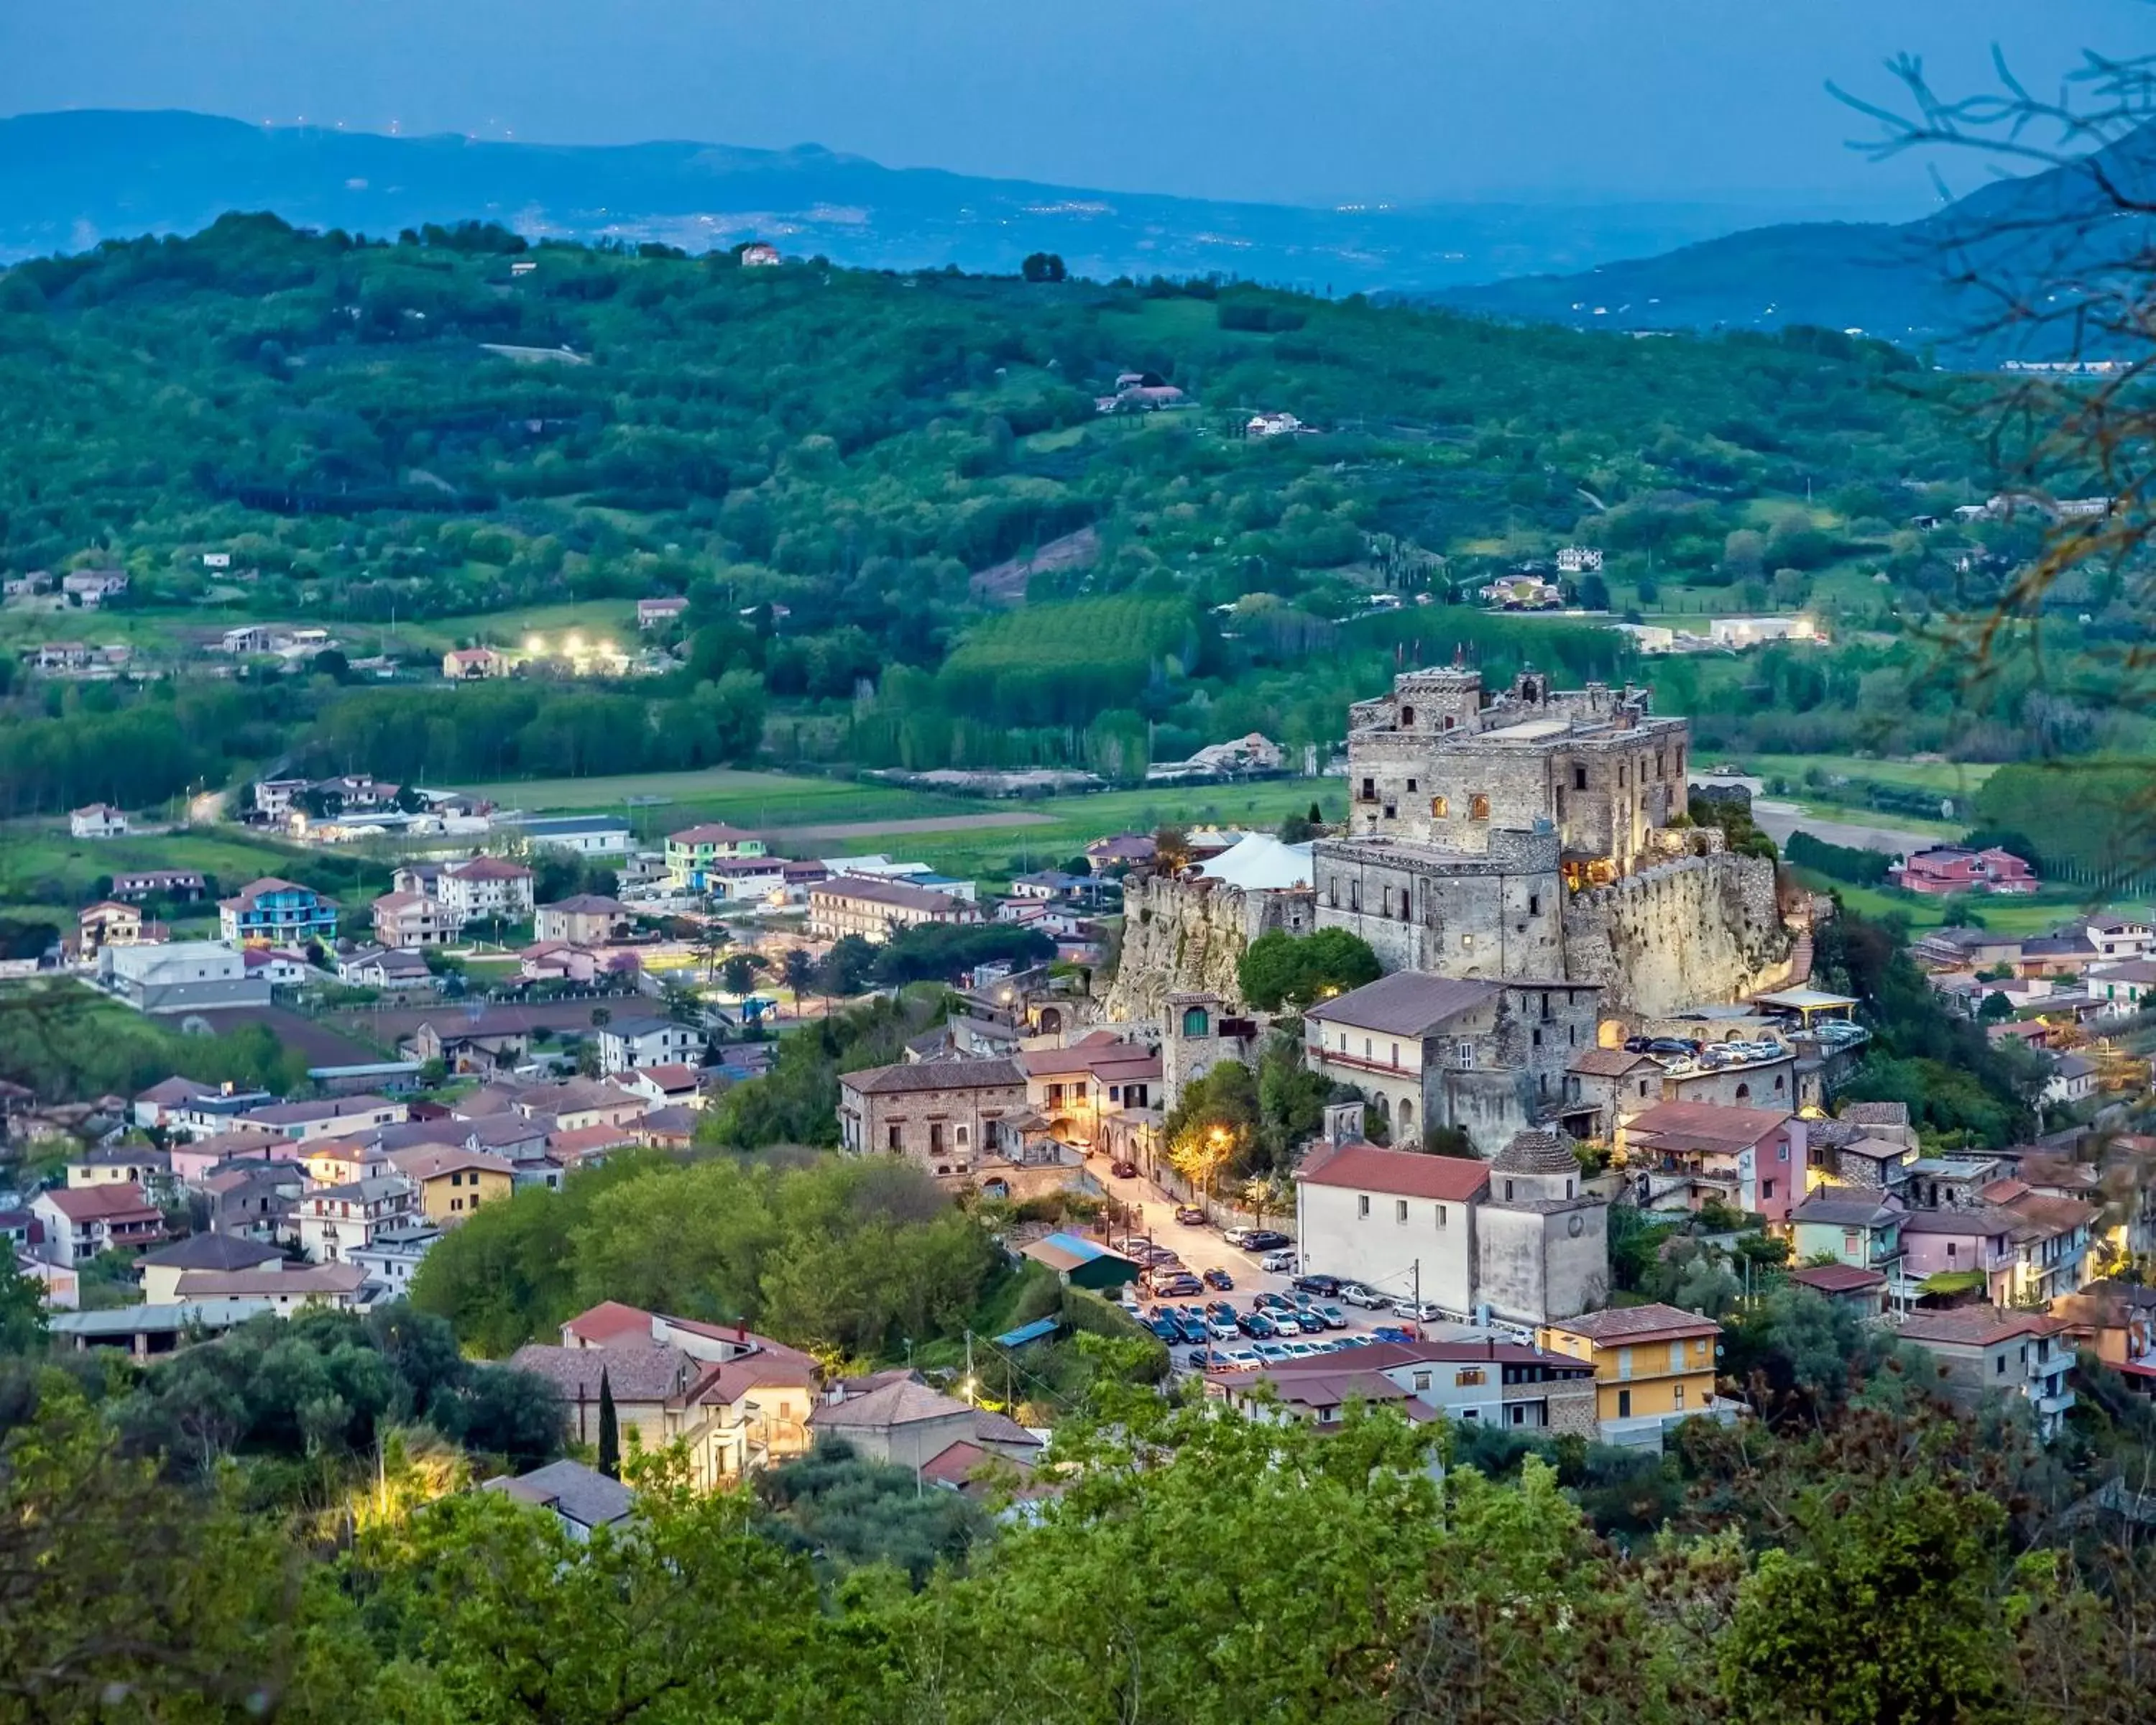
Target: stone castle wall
1184, 937
1703, 928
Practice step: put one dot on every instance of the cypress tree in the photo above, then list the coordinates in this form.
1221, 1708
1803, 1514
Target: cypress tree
610, 1431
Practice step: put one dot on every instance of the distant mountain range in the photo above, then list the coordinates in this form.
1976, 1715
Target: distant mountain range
1895, 281
68, 180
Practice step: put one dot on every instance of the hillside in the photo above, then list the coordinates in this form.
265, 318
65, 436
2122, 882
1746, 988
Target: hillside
1896, 282
462, 437
68, 180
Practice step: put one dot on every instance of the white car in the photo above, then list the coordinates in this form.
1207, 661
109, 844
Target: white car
1278, 1262
1236, 1236
1369, 1299
1422, 1313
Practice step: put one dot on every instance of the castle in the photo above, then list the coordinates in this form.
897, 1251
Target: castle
1530, 834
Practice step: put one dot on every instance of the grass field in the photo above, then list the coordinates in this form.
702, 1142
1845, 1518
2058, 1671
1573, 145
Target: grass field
612, 619
39, 855
2037, 914
1949, 778
746, 800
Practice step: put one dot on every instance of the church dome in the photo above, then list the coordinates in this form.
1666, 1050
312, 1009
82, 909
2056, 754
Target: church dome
1537, 1152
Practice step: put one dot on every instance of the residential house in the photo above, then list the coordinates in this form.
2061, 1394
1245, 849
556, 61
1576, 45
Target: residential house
659, 613
628, 1043
394, 1255
1518, 1236
1987, 1351
157, 1106
468, 665
1489, 1058
336, 1287
1863, 1292
278, 967
665, 1087
1967, 948
179, 976
270, 912
327, 1117
91, 588
1946, 869
255, 1200
2071, 1080
1968, 1249
1077, 1090
1484, 1380
454, 1182
97, 820
333, 1219
877, 910
581, 1498
587, 920
1121, 850
123, 1165
1612, 1085
184, 885
941, 1114
495, 1039
691, 852
2115, 1321
558, 962
1654, 1366
1854, 1227
410, 920
2052, 1239
2125, 988
1684, 1155
486, 888
893, 1417
392, 968
585, 834
579, 1103
338, 1162
81, 1221
110, 923
161, 1267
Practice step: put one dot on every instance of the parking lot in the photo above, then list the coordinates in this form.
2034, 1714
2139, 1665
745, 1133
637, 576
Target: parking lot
1201, 1249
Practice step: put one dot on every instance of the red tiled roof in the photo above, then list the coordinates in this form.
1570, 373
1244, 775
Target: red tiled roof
1837, 1278
1404, 1174
610, 1321
1636, 1323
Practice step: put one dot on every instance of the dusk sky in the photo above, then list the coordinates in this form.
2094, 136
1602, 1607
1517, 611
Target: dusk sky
1286, 100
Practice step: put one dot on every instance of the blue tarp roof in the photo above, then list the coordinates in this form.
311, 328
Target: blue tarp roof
1074, 1245
1039, 1331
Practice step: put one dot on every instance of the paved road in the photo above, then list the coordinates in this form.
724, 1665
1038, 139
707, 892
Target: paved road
1778, 821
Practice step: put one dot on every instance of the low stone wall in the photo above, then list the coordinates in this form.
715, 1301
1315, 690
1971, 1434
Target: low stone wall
1704, 928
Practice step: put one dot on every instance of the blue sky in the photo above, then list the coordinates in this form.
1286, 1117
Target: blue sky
1294, 100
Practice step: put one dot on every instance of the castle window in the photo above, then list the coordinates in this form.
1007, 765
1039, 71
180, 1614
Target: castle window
1369, 790
1440, 808
1508, 1192
1580, 779
1449, 721
1407, 718
1411, 784
1196, 1022
1620, 775
1478, 807
1400, 1209
1534, 904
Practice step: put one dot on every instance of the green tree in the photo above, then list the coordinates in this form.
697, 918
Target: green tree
609, 1429
739, 974
1042, 266
23, 1328
1279, 969
798, 969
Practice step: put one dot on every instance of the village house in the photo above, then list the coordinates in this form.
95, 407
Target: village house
1486, 1057
942, 1115
1855, 1226
1949, 869
1863, 1292
2071, 1080
392, 968
1986, 1351
580, 1103
894, 1417
587, 920
876, 910
394, 1255
2116, 1321
582, 1499
278, 967
496, 1039
91, 588
1654, 1367
124, 1165
2124, 988
329, 1117
1077, 1090
161, 1267
256, 1200
110, 923
270, 912
661, 612
1684, 1155
338, 1162
1968, 1249
184, 885
157, 1106
558, 962
628, 1043
665, 1087
691, 852
334, 1220
486, 888
179, 976
334, 1288
81, 1221
406, 921
454, 1182
470, 665
1486, 1381
97, 820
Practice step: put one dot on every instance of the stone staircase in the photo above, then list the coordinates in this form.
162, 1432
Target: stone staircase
1800, 960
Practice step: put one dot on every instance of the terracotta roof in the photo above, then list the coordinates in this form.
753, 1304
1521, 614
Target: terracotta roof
588, 1140
1406, 1004
913, 1075
1837, 1278
896, 894
1609, 1063
319, 1279
1852, 1209
1636, 1323
428, 1162
1976, 1326
906, 1402
212, 1252
609, 1323
711, 832
1702, 1125
1405, 1174
634, 1375
2042, 1216
95, 1204
671, 1076
489, 868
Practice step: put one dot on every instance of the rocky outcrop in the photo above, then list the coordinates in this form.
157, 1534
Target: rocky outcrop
1188, 937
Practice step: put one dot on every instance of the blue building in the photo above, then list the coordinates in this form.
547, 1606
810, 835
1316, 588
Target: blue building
270, 912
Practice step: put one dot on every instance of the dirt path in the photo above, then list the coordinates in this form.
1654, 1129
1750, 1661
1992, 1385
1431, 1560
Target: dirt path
899, 828
1778, 821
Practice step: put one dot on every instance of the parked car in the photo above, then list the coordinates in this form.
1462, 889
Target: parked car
1238, 1235
1331, 1316
1193, 1324
1124, 1170
1243, 1360
1265, 1240
1390, 1332
1286, 1322
1131, 1245
1258, 1326
1218, 1278
1369, 1299
1180, 1285
1199, 1358
1272, 1302
1190, 1215
1164, 1327
1272, 1353
1327, 1286
1301, 1350
1422, 1312
1276, 1262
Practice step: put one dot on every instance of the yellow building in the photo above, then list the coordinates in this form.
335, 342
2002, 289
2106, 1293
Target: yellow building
1654, 1365
452, 1183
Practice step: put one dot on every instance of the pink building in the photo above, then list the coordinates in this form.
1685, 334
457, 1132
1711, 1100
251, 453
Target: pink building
1751, 1159
1979, 1238
1949, 869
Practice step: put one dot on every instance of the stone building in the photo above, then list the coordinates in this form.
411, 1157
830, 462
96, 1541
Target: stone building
1198, 1033
1486, 1056
1188, 937
876, 910
941, 1114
